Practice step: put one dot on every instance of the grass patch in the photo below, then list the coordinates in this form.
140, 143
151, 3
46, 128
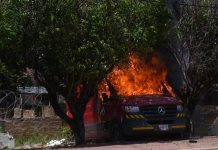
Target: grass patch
1, 130
34, 138
41, 137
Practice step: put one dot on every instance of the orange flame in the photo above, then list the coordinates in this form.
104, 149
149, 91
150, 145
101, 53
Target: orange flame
138, 78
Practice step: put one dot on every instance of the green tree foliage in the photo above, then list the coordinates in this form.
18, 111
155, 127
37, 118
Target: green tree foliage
71, 44
197, 50
9, 62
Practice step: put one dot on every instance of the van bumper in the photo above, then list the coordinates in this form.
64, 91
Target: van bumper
140, 125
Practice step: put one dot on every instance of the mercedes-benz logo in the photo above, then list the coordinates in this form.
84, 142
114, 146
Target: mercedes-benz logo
161, 110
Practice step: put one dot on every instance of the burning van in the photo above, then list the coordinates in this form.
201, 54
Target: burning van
151, 114
135, 99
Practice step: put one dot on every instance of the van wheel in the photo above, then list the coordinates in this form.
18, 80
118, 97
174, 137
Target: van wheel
115, 131
183, 135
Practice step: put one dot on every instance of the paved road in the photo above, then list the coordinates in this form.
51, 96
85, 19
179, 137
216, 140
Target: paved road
205, 143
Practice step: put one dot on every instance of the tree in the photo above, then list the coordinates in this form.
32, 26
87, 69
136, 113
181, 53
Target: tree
195, 47
73, 45
10, 62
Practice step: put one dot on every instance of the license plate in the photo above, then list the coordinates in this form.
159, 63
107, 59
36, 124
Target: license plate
163, 127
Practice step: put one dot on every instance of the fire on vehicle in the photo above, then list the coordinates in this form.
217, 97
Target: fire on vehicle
135, 99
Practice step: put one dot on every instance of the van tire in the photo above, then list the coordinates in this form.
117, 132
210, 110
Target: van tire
183, 135
115, 131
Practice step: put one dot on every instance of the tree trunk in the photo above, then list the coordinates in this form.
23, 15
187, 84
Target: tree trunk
79, 133
76, 125
77, 106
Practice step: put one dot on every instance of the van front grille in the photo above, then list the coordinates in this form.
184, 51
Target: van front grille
153, 116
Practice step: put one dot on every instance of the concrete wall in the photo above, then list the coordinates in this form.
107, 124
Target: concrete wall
29, 126
206, 120
46, 112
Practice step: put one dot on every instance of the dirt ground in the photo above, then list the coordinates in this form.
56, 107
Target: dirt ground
204, 143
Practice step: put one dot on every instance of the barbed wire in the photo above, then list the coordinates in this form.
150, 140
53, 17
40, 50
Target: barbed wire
10, 100
8, 120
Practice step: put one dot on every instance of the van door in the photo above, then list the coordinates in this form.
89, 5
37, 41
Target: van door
91, 119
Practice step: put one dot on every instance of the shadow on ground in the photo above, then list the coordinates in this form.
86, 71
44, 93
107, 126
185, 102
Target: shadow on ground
127, 141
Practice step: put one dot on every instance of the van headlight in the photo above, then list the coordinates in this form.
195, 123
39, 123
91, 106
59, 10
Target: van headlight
131, 109
179, 108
